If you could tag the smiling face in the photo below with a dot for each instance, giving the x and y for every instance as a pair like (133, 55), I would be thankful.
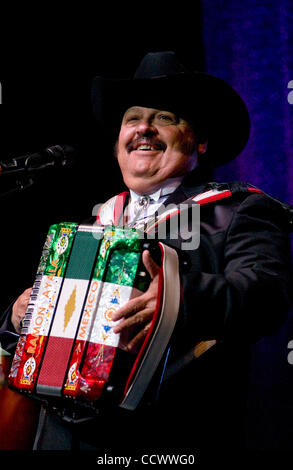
(154, 145)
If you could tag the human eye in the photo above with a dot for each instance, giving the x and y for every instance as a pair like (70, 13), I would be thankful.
(167, 118)
(131, 118)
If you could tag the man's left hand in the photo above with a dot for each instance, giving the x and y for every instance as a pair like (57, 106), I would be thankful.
(137, 313)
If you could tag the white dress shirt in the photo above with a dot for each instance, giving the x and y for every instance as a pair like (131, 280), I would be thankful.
(156, 200)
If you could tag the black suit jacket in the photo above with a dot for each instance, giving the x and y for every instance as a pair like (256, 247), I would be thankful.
(237, 290)
(240, 277)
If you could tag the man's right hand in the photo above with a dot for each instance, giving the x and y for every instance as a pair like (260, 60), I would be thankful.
(19, 309)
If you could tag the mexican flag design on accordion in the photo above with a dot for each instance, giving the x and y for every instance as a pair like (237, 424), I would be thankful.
(67, 344)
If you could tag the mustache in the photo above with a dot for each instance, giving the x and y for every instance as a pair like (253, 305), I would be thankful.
(142, 140)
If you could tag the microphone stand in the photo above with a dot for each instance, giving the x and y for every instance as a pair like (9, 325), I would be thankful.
(20, 185)
(23, 178)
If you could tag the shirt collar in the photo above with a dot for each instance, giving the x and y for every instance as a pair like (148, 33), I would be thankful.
(167, 188)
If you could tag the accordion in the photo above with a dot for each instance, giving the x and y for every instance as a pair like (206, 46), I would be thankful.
(67, 349)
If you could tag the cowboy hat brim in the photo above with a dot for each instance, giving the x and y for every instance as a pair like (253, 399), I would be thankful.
(203, 100)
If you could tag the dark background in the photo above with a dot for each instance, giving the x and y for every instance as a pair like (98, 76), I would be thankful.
(48, 59)
(46, 70)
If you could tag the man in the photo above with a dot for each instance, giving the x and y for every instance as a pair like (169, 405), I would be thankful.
(173, 126)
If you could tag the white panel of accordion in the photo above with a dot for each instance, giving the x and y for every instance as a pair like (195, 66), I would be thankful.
(40, 310)
(96, 324)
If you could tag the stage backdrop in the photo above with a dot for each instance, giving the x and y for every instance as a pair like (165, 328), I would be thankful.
(250, 45)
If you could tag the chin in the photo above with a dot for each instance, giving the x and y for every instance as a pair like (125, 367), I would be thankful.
(142, 185)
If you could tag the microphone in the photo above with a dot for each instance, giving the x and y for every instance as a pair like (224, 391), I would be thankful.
(55, 156)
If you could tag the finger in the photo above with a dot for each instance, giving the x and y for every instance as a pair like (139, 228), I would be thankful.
(135, 320)
(151, 266)
(130, 308)
(25, 296)
(28, 291)
(134, 345)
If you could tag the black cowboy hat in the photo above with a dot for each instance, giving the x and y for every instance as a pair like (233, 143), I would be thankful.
(162, 82)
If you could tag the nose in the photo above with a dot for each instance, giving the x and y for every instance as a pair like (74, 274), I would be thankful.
(146, 127)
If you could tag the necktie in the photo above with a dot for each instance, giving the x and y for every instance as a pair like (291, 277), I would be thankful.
(141, 205)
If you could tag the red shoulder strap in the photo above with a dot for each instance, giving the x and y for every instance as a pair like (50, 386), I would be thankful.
(119, 206)
(215, 195)
(115, 205)
(112, 209)
(206, 197)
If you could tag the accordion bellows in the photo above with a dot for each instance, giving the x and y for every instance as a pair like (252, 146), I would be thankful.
(67, 346)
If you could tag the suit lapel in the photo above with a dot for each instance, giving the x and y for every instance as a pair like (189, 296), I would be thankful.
(192, 185)
(182, 193)
(185, 191)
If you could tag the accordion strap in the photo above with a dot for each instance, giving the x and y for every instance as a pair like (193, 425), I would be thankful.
(159, 334)
(111, 212)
